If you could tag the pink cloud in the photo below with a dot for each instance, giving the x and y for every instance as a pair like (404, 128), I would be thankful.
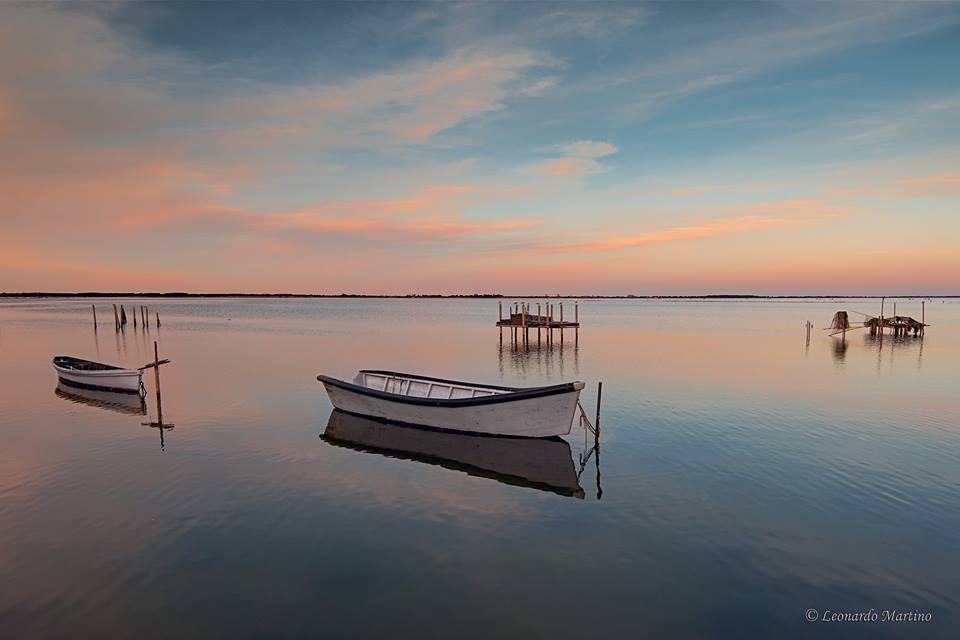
(944, 178)
(760, 216)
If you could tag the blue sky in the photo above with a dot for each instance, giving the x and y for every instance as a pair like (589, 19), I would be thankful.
(447, 147)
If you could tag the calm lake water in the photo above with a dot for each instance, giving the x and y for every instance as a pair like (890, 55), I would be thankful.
(746, 476)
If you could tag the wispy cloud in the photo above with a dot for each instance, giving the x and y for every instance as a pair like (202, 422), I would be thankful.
(578, 159)
(767, 215)
(944, 178)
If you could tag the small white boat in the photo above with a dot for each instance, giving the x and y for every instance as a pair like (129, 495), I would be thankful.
(86, 374)
(537, 463)
(533, 412)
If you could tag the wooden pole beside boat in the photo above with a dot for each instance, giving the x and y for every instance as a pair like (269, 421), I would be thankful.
(94, 307)
(156, 380)
(116, 318)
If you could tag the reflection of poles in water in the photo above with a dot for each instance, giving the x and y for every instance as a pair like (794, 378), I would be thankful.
(595, 449)
(920, 354)
(156, 379)
(839, 349)
(159, 424)
(596, 459)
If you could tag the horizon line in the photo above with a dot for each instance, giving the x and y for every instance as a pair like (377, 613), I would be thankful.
(499, 296)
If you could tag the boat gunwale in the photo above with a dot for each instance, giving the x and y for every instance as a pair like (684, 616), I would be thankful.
(514, 393)
(67, 364)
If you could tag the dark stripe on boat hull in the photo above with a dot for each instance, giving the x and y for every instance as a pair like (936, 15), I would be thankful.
(97, 387)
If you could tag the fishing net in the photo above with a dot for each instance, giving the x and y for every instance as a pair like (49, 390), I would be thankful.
(840, 321)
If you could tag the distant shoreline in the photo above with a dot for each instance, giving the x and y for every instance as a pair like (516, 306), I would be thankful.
(494, 296)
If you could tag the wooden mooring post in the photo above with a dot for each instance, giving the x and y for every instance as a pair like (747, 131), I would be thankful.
(116, 318)
(158, 319)
(160, 424)
(94, 307)
(156, 380)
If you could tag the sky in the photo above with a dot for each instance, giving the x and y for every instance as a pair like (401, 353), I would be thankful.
(531, 148)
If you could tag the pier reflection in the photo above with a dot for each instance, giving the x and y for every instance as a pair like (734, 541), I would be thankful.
(127, 403)
(536, 463)
(541, 359)
(891, 347)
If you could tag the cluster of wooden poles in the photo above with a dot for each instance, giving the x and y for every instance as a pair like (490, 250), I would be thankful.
(120, 316)
(522, 319)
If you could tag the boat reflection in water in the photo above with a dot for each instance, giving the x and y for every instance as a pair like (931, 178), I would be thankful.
(128, 403)
(537, 463)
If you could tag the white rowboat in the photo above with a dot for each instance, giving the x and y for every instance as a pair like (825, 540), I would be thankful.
(532, 412)
(86, 374)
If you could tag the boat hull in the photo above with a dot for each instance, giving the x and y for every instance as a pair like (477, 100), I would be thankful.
(531, 417)
(117, 380)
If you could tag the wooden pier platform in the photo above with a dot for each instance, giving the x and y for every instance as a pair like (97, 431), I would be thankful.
(535, 322)
(521, 319)
(898, 325)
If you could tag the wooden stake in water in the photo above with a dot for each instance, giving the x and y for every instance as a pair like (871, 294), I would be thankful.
(116, 318)
(159, 424)
(94, 307)
(158, 319)
(156, 380)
